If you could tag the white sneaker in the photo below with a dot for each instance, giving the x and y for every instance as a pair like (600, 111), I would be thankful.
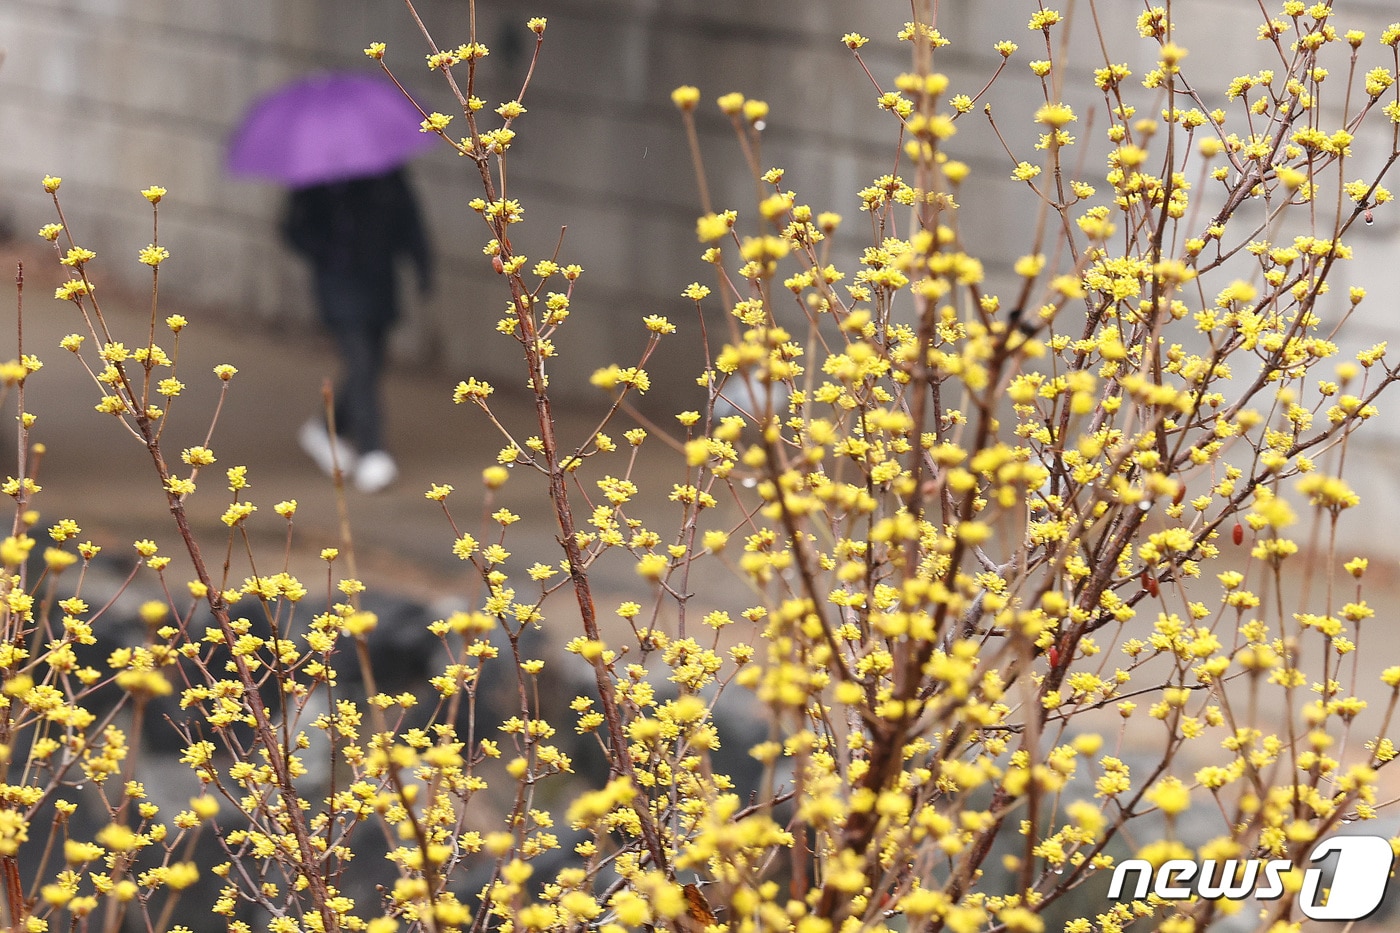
(328, 453)
(375, 470)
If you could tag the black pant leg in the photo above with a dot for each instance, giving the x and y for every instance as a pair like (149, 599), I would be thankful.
(357, 404)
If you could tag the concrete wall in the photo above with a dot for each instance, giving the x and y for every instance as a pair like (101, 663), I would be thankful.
(114, 95)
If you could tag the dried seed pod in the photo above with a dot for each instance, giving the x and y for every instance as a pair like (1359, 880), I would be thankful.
(1149, 581)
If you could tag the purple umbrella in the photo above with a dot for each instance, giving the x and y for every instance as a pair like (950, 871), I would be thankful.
(327, 127)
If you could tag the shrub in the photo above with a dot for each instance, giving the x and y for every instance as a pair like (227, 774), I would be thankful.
(1013, 558)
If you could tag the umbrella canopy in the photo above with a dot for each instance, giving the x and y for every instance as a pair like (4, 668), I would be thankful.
(327, 127)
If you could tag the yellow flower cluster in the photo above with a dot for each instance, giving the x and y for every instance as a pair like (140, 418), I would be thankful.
(982, 517)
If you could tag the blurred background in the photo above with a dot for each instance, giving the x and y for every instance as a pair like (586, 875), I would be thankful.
(116, 95)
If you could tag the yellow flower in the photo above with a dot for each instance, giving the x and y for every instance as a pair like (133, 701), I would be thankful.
(1172, 54)
(1378, 80)
(714, 226)
(72, 290)
(153, 255)
(474, 389)
(1055, 115)
(442, 60)
(686, 97)
(1030, 266)
(652, 566)
(1025, 171)
(359, 623)
(76, 256)
(731, 104)
(237, 512)
(1020, 919)
(117, 837)
(375, 50)
(755, 110)
(51, 183)
(153, 193)
(198, 455)
(435, 123)
(1170, 794)
(58, 560)
(472, 51)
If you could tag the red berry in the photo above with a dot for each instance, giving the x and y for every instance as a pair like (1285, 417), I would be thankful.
(1238, 533)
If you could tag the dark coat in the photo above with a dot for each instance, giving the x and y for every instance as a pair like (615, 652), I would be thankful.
(353, 232)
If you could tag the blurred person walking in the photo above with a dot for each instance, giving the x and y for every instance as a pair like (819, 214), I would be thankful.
(339, 142)
(353, 232)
